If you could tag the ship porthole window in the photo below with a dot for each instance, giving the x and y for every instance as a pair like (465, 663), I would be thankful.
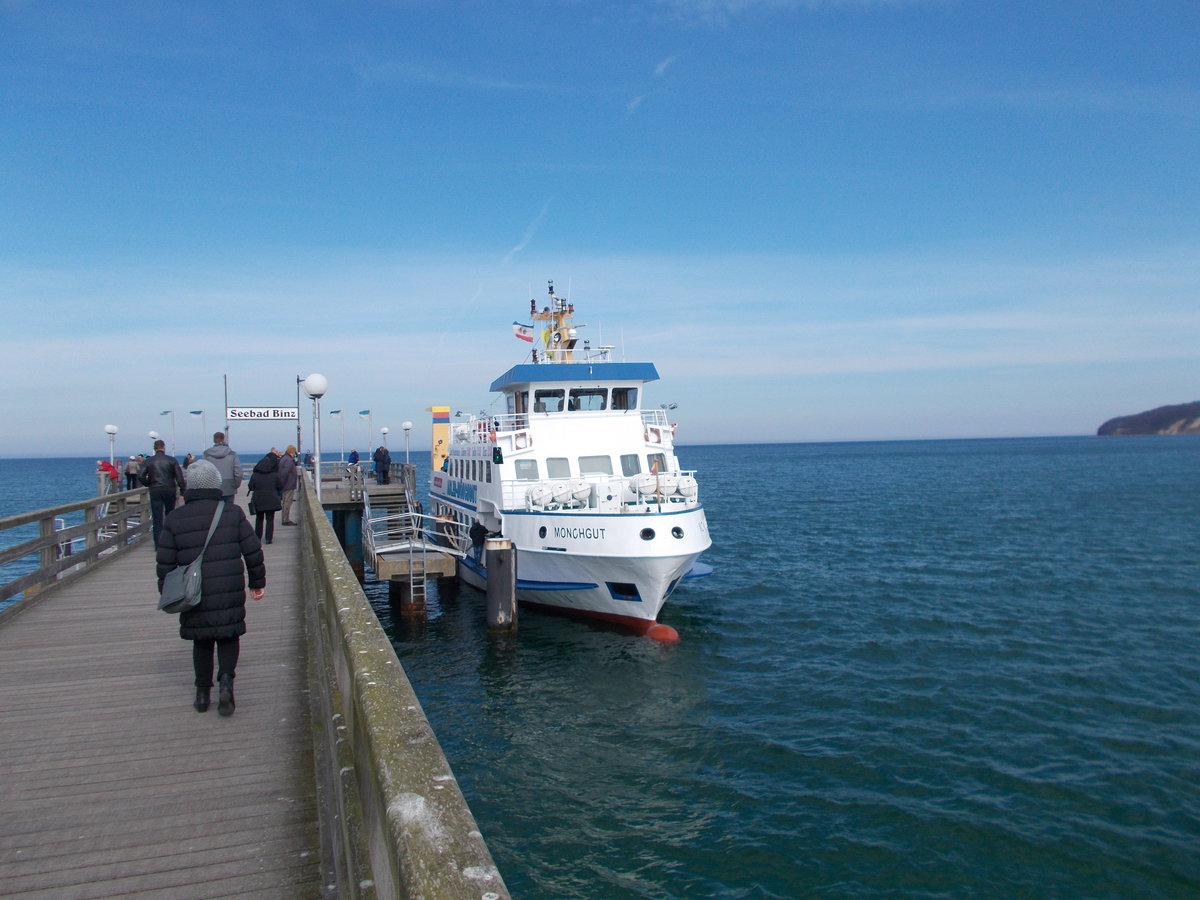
(542, 531)
(677, 532)
(647, 534)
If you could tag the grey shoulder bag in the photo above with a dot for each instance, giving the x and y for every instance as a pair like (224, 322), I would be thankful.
(181, 588)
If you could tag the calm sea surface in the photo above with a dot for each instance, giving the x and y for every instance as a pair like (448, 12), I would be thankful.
(921, 669)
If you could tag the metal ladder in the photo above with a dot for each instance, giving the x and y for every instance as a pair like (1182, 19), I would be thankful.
(416, 576)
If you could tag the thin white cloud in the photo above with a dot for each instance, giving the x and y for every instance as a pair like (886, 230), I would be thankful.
(734, 336)
(530, 230)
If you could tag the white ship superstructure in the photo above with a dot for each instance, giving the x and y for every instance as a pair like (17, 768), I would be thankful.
(579, 476)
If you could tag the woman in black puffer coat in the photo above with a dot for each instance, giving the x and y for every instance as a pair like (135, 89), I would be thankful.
(265, 488)
(219, 619)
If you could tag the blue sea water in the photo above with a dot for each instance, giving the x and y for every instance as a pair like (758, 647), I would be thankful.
(921, 669)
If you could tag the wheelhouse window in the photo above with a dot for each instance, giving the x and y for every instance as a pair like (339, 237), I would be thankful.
(630, 464)
(548, 400)
(526, 469)
(595, 465)
(658, 462)
(587, 399)
(624, 398)
(558, 467)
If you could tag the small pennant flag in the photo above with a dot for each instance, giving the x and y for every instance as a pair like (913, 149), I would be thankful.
(165, 412)
(336, 412)
(364, 412)
(523, 332)
(196, 412)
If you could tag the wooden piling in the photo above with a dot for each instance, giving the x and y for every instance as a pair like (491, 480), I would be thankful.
(501, 585)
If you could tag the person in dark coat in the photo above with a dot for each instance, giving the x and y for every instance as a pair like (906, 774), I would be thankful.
(219, 619)
(289, 479)
(163, 475)
(383, 465)
(265, 486)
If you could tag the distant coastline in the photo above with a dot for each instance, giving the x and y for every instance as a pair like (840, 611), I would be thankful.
(1182, 418)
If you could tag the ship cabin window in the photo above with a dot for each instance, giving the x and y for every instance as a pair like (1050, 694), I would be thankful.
(548, 400)
(518, 402)
(630, 464)
(658, 462)
(474, 470)
(487, 471)
(589, 399)
(526, 469)
(558, 467)
(595, 465)
(624, 398)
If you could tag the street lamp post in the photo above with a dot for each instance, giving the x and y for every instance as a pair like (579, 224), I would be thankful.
(315, 387)
(384, 432)
(111, 431)
(407, 426)
(299, 446)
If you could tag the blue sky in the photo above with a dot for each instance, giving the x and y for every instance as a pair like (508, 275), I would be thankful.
(821, 220)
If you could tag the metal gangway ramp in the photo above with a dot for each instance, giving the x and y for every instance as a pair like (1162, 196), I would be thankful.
(398, 547)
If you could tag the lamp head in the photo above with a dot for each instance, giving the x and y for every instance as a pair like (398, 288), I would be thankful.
(315, 386)
(110, 430)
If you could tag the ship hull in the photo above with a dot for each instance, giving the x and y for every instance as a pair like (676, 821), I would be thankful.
(616, 568)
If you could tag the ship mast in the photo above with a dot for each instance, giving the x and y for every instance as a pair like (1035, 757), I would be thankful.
(559, 335)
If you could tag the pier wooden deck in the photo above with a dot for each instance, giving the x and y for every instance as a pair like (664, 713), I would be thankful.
(112, 785)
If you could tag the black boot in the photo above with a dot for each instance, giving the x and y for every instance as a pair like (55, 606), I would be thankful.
(201, 701)
(225, 702)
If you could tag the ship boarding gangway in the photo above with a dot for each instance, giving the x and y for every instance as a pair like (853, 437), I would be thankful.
(405, 547)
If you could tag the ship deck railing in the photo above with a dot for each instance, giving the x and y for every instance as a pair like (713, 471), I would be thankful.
(607, 493)
(507, 428)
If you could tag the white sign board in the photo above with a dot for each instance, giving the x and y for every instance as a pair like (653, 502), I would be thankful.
(261, 413)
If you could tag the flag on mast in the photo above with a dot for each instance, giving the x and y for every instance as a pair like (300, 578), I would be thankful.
(523, 332)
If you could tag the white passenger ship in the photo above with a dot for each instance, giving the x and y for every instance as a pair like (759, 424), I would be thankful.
(579, 476)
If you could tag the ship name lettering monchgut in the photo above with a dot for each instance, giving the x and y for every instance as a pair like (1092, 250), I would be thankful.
(593, 534)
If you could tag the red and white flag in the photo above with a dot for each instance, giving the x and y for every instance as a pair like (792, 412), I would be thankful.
(524, 332)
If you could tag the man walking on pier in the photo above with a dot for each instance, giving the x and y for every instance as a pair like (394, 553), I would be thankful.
(227, 463)
(164, 476)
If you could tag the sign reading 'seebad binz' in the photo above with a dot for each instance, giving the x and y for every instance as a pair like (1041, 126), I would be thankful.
(272, 413)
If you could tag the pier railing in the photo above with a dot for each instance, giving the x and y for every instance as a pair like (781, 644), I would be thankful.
(62, 551)
(396, 822)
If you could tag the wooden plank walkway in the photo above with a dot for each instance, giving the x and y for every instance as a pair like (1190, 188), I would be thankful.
(112, 785)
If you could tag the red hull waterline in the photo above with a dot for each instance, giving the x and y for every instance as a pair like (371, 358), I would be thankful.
(644, 627)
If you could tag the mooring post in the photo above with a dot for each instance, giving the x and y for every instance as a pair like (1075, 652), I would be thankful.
(501, 584)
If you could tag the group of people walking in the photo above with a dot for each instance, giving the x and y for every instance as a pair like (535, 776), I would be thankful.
(210, 522)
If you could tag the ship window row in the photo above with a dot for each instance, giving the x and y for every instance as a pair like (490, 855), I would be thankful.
(552, 400)
(471, 469)
(560, 466)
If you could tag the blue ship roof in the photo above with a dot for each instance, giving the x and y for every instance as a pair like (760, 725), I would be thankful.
(575, 373)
